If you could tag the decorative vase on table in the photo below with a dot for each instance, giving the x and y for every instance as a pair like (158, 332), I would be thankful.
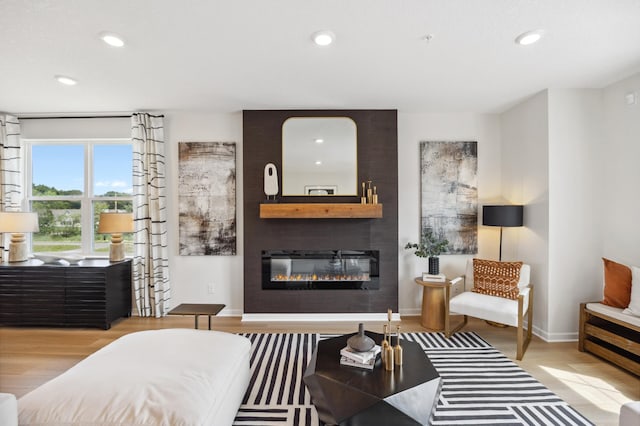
(361, 342)
(430, 246)
(434, 265)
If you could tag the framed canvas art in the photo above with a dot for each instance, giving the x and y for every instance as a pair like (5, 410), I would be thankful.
(449, 193)
(207, 198)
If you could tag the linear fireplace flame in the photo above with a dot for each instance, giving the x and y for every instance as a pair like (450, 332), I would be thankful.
(320, 269)
(321, 277)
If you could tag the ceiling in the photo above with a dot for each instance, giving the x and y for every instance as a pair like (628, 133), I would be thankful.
(225, 56)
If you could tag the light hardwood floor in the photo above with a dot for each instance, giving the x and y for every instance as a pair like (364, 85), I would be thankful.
(31, 356)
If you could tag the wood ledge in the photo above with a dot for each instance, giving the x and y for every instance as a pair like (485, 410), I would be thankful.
(320, 211)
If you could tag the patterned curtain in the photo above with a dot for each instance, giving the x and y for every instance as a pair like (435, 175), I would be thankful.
(151, 285)
(10, 169)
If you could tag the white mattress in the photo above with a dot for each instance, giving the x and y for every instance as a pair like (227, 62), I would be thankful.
(167, 377)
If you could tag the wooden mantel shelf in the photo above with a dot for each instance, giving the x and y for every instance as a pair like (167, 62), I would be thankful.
(320, 211)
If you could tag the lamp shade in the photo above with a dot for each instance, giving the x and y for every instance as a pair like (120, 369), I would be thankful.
(19, 222)
(508, 216)
(115, 223)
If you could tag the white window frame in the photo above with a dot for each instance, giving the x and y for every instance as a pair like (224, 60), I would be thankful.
(87, 198)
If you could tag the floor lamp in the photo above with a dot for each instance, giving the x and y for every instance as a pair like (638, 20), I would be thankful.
(509, 216)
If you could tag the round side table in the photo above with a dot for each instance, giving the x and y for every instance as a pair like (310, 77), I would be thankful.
(432, 304)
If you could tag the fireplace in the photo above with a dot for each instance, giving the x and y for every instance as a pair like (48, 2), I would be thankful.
(309, 299)
(320, 269)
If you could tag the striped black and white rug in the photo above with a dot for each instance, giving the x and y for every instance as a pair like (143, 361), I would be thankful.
(480, 384)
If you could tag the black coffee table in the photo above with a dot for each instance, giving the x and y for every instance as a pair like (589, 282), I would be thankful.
(351, 396)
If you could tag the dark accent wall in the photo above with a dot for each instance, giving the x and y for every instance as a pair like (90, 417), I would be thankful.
(377, 161)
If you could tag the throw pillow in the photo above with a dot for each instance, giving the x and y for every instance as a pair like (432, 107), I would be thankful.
(617, 284)
(496, 278)
(634, 303)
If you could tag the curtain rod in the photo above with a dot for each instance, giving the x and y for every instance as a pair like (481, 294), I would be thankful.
(82, 116)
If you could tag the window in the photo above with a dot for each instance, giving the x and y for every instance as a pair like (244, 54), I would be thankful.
(70, 182)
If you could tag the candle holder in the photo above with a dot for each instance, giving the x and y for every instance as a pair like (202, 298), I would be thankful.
(397, 349)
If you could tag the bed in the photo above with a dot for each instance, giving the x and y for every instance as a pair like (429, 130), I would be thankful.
(158, 377)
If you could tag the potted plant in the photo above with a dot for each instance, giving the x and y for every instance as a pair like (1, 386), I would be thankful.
(430, 246)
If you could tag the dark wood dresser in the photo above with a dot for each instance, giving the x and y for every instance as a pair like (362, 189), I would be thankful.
(93, 293)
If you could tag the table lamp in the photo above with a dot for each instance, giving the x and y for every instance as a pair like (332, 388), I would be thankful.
(509, 216)
(18, 223)
(115, 224)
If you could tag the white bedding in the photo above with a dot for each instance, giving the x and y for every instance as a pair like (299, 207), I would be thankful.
(167, 377)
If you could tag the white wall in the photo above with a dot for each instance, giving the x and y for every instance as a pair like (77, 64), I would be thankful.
(619, 169)
(192, 275)
(575, 135)
(524, 136)
(75, 128)
(571, 156)
(412, 129)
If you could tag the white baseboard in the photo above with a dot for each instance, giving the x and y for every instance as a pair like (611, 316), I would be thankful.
(555, 337)
(332, 317)
(230, 313)
(411, 312)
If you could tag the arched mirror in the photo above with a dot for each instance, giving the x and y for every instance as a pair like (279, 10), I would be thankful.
(319, 156)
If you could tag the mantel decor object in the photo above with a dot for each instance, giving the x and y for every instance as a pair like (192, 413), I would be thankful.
(369, 193)
(271, 182)
(18, 223)
(361, 342)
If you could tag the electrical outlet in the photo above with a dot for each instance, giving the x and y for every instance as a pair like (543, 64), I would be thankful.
(212, 288)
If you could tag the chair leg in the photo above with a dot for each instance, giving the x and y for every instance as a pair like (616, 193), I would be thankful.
(520, 334)
(448, 332)
(530, 316)
(522, 342)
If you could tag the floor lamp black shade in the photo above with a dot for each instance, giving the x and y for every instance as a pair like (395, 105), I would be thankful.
(510, 216)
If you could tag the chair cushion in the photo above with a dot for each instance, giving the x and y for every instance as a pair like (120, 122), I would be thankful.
(496, 278)
(492, 308)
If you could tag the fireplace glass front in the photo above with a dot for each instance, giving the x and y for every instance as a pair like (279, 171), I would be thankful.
(320, 269)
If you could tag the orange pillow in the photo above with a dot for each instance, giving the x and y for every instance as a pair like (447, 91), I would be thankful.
(496, 278)
(617, 284)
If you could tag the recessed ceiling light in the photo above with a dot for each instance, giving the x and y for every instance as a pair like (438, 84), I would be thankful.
(323, 38)
(318, 163)
(318, 140)
(112, 39)
(65, 80)
(529, 37)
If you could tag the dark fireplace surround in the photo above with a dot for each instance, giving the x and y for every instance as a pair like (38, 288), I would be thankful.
(378, 162)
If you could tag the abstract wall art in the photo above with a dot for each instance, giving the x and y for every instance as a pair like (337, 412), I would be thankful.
(207, 198)
(449, 193)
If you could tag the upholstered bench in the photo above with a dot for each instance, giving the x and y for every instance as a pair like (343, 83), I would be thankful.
(157, 377)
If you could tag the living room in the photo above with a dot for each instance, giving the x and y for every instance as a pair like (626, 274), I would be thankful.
(556, 131)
